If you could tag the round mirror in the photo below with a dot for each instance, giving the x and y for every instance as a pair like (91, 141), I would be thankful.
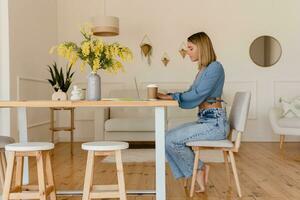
(265, 51)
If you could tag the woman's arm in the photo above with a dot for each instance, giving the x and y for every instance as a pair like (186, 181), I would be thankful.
(164, 96)
(195, 96)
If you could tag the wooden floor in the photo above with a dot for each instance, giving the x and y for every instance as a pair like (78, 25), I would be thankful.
(265, 172)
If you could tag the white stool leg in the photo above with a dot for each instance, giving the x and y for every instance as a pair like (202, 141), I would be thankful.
(4, 160)
(8, 174)
(41, 175)
(88, 179)
(120, 174)
(19, 173)
(2, 167)
(49, 174)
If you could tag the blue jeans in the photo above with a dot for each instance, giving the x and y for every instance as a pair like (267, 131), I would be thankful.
(212, 124)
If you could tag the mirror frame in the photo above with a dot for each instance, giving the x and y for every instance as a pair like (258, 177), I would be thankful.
(257, 62)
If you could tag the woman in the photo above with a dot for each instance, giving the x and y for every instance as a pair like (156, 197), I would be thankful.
(205, 93)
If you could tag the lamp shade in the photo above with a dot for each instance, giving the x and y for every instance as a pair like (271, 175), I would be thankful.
(106, 26)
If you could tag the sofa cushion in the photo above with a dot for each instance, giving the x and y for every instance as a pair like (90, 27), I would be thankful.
(174, 122)
(129, 136)
(131, 112)
(130, 124)
(177, 112)
(289, 122)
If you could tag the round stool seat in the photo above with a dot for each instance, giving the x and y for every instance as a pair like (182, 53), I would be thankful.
(29, 146)
(4, 140)
(104, 146)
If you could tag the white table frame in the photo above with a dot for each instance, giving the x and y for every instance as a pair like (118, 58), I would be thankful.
(160, 168)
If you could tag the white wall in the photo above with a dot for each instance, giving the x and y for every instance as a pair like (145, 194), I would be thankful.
(4, 67)
(232, 26)
(33, 30)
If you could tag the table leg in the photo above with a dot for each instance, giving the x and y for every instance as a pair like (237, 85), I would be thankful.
(160, 153)
(23, 137)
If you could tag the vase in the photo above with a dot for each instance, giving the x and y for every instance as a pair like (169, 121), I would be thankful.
(94, 87)
(59, 96)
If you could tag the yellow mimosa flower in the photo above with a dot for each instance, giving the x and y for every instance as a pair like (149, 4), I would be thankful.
(86, 29)
(93, 51)
(73, 58)
(96, 64)
(97, 47)
(61, 50)
(85, 47)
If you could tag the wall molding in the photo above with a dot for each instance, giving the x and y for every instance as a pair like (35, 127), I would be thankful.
(24, 78)
(42, 123)
(32, 79)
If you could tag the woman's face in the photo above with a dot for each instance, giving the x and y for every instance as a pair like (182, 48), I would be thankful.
(192, 51)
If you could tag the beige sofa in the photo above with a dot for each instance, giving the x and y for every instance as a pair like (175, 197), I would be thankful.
(282, 125)
(137, 124)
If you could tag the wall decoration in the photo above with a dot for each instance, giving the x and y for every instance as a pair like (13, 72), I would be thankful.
(146, 48)
(165, 59)
(265, 51)
(182, 50)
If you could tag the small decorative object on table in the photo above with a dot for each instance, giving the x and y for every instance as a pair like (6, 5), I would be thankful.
(60, 82)
(152, 90)
(97, 54)
(77, 93)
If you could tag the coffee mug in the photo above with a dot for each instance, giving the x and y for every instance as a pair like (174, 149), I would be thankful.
(152, 90)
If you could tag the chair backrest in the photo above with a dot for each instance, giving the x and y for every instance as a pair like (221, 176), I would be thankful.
(239, 111)
(238, 116)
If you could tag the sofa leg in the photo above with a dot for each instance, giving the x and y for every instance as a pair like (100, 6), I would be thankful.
(282, 137)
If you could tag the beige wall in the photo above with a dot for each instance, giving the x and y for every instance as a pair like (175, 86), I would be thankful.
(232, 26)
(4, 67)
(33, 30)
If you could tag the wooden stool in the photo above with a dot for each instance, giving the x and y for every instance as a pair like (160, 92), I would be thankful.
(104, 148)
(68, 128)
(4, 140)
(18, 151)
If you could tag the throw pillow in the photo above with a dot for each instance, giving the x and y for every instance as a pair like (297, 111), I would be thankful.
(291, 108)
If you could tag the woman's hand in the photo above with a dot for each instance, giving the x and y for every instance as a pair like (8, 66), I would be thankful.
(164, 96)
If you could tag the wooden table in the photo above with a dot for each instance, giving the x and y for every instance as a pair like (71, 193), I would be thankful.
(159, 106)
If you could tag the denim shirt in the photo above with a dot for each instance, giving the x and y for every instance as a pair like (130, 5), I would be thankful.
(208, 84)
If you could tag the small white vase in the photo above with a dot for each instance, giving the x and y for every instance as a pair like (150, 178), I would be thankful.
(59, 96)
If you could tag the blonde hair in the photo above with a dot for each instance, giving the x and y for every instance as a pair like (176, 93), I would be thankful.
(205, 48)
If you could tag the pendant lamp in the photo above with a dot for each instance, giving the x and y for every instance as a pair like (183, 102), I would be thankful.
(105, 25)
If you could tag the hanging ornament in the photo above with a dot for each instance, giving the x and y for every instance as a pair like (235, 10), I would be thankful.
(165, 59)
(146, 48)
(182, 50)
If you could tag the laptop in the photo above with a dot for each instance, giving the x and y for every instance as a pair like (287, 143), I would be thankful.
(137, 89)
